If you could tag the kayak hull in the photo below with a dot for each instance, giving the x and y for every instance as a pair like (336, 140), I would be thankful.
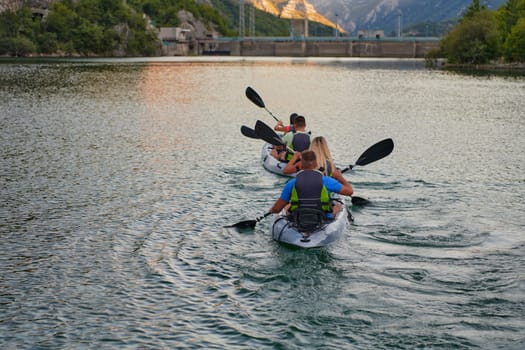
(272, 164)
(284, 231)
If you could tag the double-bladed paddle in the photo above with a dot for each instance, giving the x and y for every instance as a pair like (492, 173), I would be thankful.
(257, 100)
(249, 223)
(375, 152)
(248, 132)
(266, 133)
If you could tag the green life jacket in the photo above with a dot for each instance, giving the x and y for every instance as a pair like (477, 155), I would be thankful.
(310, 192)
(300, 142)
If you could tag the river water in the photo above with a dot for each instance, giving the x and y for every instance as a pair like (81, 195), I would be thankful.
(117, 177)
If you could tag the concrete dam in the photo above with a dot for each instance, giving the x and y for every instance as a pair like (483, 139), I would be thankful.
(405, 47)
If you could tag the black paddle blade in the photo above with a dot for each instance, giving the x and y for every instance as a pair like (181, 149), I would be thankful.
(248, 132)
(244, 224)
(375, 152)
(267, 134)
(254, 97)
(249, 223)
(359, 201)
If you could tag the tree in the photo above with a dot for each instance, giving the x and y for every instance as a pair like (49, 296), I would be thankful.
(47, 43)
(60, 20)
(474, 40)
(87, 38)
(20, 46)
(515, 44)
(472, 9)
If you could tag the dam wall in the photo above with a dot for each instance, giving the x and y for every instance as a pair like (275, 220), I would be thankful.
(392, 48)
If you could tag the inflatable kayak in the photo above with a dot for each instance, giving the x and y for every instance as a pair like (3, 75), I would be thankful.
(271, 163)
(288, 231)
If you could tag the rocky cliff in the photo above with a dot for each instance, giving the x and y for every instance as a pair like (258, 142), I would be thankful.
(16, 4)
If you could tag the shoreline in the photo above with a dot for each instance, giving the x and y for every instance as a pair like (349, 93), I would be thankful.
(518, 66)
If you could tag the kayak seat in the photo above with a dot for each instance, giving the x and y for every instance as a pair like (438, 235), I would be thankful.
(308, 219)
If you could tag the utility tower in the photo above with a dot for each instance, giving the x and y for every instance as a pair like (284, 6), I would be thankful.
(241, 18)
(252, 21)
(399, 14)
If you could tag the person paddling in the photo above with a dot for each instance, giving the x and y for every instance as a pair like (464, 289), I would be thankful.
(285, 128)
(296, 140)
(325, 161)
(311, 189)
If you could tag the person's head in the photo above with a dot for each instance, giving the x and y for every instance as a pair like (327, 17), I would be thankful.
(299, 122)
(292, 118)
(320, 147)
(308, 160)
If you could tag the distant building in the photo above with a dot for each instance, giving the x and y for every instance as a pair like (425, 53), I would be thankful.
(371, 34)
(174, 34)
(175, 41)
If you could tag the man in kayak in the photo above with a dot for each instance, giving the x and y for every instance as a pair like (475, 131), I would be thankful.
(285, 128)
(311, 189)
(297, 140)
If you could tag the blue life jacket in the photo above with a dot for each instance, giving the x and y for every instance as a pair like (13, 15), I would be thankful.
(300, 142)
(310, 192)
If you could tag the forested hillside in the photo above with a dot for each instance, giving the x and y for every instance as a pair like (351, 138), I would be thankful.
(484, 36)
(120, 28)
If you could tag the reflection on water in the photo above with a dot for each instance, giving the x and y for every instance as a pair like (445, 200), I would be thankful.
(118, 176)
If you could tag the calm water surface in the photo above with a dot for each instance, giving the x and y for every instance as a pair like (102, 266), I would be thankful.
(117, 177)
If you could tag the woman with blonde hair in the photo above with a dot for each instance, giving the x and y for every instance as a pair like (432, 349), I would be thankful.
(325, 163)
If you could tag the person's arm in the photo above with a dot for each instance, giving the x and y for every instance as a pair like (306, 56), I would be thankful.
(284, 198)
(278, 206)
(280, 127)
(294, 165)
(332, 185)
(346, 190)
(275, 152)
(336, 174)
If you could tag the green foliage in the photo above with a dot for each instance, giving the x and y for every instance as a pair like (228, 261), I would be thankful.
(474, 40)
(47, 43)
(509, 14)
(16, 46)
(515, 43)
(473, 9)
(85, 27)
(483, 36)
(164, 12)
(269, 25)
(60, 20)
(87, 38)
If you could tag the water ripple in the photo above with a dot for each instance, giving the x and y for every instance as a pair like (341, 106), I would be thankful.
(118, 177)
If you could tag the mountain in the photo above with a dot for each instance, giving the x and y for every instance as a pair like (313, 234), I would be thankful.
(354, 15)
(292, 9)
(387, 15)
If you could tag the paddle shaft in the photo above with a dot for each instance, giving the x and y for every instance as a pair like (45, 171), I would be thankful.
(258, 101)
(249, 223)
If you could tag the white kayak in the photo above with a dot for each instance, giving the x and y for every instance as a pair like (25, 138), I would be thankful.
(271, 163)
(286, 231)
